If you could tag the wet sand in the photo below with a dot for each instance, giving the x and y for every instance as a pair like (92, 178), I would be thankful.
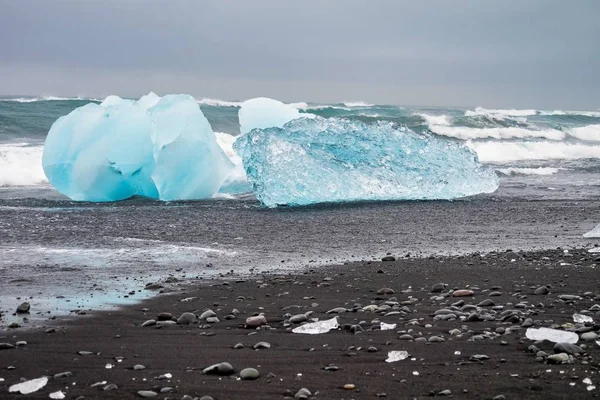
(485, 356)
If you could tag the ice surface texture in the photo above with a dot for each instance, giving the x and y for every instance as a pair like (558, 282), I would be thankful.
(594, 233)
(552, 335)
(161, 148)
(316, 160)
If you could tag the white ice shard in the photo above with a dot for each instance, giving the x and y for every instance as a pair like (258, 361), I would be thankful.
(316, 328)
(594, 233)
(394, 356)
(317, 160)
(582, 319)
(552, 335)
(161, 148)
(262, 112)
(29, 386)
(58, 395)
(387, 327)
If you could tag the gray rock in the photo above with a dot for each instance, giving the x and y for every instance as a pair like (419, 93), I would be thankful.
(298, 318)
(436, 339)
(567, 348)
(385, 291)
(21, 343)
(495, 294)
(147, 393)
(65, 374)
(262, 345)
(446, 392)
(6, 346)
(223, 368)
(249, 374)
(139, 367)
(150, 322)
(479, 357)
(388, 258)
(569, 297)
(201, 398)
(337, 310)
(238, 346)
(164, 316)
(207, 314)
(438, 287)
(212, 320)
(588, 336)
(186, 318)
(166, 323)
(303, 393)
(23, 308)
(110, 386)
(406, 336)
(486, 303)
(256, 321)
(542, 290)
(85, 353)
(153, 286)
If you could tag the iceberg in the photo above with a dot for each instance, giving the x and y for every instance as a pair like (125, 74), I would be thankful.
(317, 160)
(160, 148)
(262, 112)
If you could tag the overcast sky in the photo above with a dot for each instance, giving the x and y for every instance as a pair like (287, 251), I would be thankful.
(509, 53)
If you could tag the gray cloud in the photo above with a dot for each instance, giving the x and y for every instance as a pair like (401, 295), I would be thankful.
(514, 53)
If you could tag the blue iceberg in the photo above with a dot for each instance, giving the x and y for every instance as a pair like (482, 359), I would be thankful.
(316, 160)
(161, 148)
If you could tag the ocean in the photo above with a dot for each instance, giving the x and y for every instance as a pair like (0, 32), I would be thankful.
(92, 254)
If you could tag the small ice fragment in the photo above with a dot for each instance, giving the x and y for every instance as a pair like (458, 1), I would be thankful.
(29, 386)
(594, 250)
(57, 395)
(591, 387)
(108, 366)
(457, 353)
(582, 319)
(553, 335)
(168, 376)
(594, 233)
(188, 299)
(572, 384)
(587, 381)
(394, 356)
(416, 373)
(386, 327)
(598, 342)
(1, 379)
(316, 328)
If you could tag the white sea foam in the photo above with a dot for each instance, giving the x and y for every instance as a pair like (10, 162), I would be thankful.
(47, 98)
(436, 120)
(21, 165)
(466, 133)
(353, 104)
(589, 132)
(500, 112)
(219, 103)
(593, 114)
(529, 171)
(494, 152)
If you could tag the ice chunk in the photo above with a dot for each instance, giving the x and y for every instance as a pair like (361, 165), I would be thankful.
(59, 395)
(582, 319)
(394, 356)
(387, 327)
(333, 160)
(316, 328)
(162, 148)
(261, 112)
(552, 335)
(237, 181)
(594, 233)
(29, 386)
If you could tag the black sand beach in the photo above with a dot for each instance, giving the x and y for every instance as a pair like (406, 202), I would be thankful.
(484, 355)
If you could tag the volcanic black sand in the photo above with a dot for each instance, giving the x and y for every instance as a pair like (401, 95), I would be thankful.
(484, 355)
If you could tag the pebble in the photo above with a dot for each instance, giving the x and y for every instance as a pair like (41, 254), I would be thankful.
(164, 316)
(436, 339)
(147, 393)
(256, 321)
(249, 374)
(567, 348)
(587, 336)
(6, 346)
(463, 293)
(23, 308)
(65, 374)
(438, 287)
(446, 392)
(139, 367)
(110, 386)
(223, 368)
(349, 386)
(542, 290)
(388, 258)
(238, 346)
(298, 318)
(486, 303)
(385, 291)
(150, 322)
(207, 314)
(303, 393)
(262, 345)
(186, 318)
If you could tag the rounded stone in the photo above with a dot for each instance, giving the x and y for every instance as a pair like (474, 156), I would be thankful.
(249, 374)
(23, 308)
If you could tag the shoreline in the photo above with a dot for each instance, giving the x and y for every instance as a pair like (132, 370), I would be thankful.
(354, 354)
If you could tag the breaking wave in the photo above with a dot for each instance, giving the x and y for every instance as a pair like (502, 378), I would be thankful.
(498, 152)
(21, 165)
(529, 171)
(465, 133)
